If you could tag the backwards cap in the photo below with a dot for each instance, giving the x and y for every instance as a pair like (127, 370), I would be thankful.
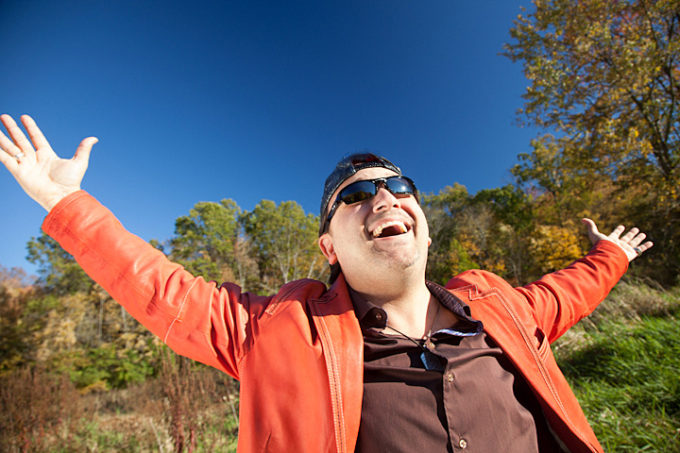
(345, 169)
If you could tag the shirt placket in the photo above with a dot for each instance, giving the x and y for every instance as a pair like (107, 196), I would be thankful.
(457, 432)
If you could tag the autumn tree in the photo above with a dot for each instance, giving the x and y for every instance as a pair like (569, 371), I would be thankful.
(605, 83)
(71, 324)
(15, 333)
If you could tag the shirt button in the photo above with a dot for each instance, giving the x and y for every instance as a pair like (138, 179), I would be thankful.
(449, 378)
(462, 443)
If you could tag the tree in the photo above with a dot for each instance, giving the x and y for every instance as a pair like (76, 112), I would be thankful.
(605, 81)
(284, 241)
(514, 225)
(58, 270)
(447, 256)
(208, 242)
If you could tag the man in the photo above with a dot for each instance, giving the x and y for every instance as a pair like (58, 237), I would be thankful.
(380, 361)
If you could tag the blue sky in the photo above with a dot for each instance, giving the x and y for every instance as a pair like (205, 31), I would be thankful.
(256, 100)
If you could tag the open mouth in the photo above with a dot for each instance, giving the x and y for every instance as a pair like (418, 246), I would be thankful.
(391, 228)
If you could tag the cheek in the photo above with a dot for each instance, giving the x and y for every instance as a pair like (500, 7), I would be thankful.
(348, 222)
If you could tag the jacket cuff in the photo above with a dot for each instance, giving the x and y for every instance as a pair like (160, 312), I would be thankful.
(616, 255)
(52, 220)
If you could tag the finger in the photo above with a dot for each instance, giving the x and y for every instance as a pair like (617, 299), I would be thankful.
(16, 135)
(82, 154)
(590, 226)
(630, 235)
(637, 239)
(593, 233)
(617, 232)
(34, 132)
(646, 246)
(8, 145)
(8, 160)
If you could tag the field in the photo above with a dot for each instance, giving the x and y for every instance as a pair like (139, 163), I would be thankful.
(623, 363)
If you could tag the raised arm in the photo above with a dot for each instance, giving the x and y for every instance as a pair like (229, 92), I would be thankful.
(194, 317)
(564, 297)
(42, 174)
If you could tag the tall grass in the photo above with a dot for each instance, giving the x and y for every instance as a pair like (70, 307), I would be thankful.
(624, 366)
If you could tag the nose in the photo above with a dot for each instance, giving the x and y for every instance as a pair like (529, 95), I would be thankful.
(385, 200)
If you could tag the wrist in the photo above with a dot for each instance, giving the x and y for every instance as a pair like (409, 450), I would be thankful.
(52, 200)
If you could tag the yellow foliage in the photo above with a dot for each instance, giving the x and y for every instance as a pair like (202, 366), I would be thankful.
(554, 247)
(59, 333)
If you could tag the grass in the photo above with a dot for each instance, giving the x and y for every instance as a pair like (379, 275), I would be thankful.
(623, 363)
(624, 366)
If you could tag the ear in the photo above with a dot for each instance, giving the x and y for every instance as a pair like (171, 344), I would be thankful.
(326, 246)
(429, 242)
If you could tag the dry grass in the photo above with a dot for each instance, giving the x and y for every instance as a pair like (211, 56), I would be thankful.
(37, 409)
(187, 408)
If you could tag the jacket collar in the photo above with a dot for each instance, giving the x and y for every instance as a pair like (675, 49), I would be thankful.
(342, 342)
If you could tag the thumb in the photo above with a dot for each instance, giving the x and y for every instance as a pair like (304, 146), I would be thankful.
(82, 154)
(593, 233)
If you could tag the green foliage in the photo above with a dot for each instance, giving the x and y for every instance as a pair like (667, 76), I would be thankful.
(59, 272)
(262, 249)
(510, 205)
(284, 241)
(446, 256)
(104, 367)
(206, 240)
(491, 230)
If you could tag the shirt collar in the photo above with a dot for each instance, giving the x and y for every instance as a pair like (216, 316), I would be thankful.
(372, 316)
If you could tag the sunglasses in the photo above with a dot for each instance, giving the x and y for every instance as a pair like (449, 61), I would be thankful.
(399, 186)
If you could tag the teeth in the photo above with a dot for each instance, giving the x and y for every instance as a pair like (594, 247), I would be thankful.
(378, 231)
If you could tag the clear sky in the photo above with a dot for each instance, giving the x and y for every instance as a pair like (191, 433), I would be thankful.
(200, 101)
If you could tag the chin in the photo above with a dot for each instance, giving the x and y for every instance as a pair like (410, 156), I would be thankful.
(402, 260)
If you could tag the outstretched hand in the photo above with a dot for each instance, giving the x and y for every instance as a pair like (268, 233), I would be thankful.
(630, 243)
(42, 174)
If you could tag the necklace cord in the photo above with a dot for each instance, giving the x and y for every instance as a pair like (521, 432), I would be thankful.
(424, 339)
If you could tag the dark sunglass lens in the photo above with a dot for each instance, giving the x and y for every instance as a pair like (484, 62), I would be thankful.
(358, 191)
(399, 186)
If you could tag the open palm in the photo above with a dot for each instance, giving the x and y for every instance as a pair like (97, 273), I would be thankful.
(631, 243)
(42, 174)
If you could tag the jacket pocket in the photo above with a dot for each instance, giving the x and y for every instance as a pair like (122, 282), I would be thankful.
(542, 344)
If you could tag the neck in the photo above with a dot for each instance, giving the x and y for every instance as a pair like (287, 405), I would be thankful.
(410, 308)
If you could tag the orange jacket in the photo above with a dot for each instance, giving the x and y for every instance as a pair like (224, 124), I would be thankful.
(299, 353)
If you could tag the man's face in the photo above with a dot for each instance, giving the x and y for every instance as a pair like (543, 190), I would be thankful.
(384, 233)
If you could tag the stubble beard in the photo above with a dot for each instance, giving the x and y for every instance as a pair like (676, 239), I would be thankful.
(399, 260)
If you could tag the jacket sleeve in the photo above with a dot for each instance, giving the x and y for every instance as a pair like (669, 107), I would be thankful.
(194, 317)
(562, 298)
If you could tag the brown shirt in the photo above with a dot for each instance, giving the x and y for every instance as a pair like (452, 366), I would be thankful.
(459, 393)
